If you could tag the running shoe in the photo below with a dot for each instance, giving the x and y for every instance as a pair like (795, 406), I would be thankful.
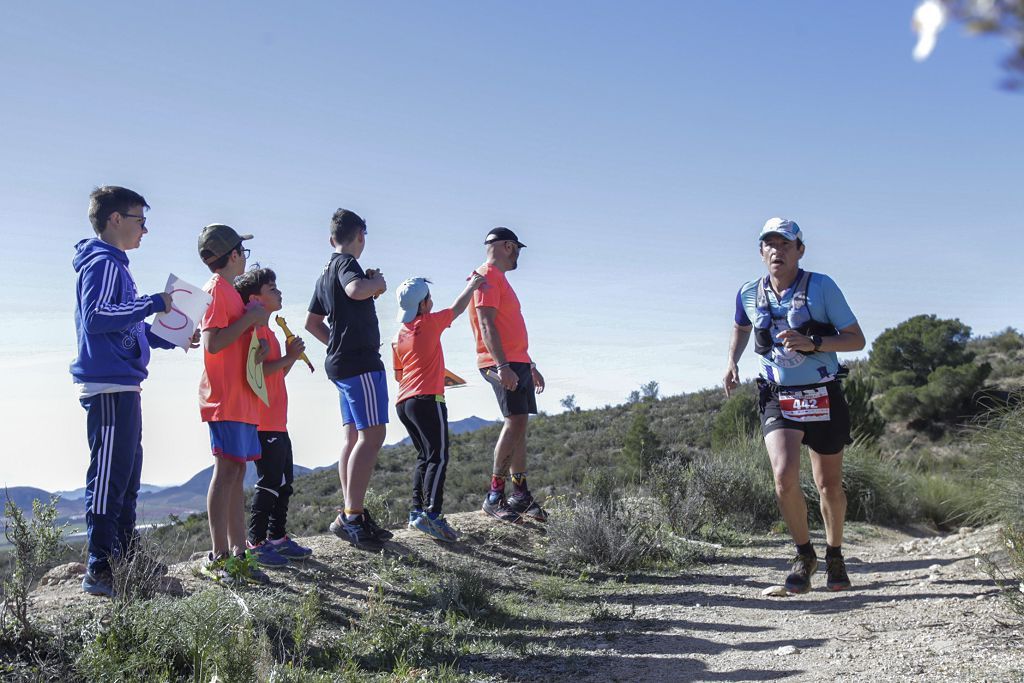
(413, 516)
(355, 532)
(286, 547)
(267, 555)
(99, 583)
(380, 532)
(436, 528)
(804, 566)
(835, 570)
(494, 505)
(524, 504)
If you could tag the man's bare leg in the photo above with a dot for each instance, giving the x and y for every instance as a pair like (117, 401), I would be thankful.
(828, 477)
(349, 438)
(784, 452)
(510, 450)
(361, 462)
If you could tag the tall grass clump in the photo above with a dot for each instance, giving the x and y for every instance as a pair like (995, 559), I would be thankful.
(729, 490)
(877, 490)
(998, 439)
(606, 531)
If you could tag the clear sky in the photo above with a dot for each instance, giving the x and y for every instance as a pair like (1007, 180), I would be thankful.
(636, 148)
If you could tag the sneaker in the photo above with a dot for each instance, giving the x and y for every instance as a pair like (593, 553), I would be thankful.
(355, 532)
(835, 569)
(436, 528)
(380, 532)
(286, 547)
(804, 566)
(267, 555)
(99, 583)
(494, 505)
(413, 516)
(524, 504)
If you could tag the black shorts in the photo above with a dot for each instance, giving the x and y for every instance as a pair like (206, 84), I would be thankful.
(522, 401)
(826, 437)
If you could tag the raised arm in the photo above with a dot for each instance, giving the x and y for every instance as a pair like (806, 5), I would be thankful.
(476, 280)
(362, 288)
(217, 339)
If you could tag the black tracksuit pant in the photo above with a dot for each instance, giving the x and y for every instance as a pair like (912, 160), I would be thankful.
(270, 502)
(426, 419)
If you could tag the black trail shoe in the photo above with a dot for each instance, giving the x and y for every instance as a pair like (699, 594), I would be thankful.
(380, 532)
(804, 566)
(524, 504)
(835, 569)
(494, 505)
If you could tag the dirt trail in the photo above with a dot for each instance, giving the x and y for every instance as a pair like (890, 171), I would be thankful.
(920, 608)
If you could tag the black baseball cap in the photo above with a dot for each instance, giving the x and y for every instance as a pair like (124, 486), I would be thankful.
(502, 234)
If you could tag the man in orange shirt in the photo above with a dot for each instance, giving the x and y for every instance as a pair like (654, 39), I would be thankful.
(504, 361)
(419, 370)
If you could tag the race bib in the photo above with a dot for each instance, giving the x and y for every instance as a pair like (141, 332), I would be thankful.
(805, 405)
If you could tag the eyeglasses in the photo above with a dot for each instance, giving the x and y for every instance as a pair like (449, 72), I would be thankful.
(244, 252)
(142, 219)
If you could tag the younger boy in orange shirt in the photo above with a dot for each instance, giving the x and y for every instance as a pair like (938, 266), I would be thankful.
(419, 370)
(227, 403)
(268, 538)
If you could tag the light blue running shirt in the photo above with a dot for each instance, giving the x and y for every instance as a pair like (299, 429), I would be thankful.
(826, 304)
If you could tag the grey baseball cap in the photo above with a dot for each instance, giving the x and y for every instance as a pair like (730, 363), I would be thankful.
(218, 239)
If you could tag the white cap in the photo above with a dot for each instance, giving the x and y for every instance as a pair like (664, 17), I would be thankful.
(781, 226)
(410, 294)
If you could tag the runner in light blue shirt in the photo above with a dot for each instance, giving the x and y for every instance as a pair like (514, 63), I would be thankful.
(799, 321)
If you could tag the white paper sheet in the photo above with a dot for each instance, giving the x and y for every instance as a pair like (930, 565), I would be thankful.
(188, 306)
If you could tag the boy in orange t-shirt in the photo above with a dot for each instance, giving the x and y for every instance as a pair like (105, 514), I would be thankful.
(226, 402)
(419, 370)
(268, 538)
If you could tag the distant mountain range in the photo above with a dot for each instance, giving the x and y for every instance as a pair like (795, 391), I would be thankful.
(157, 502)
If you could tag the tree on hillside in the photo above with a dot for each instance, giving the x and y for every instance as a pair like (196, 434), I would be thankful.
(569, 403)
(642, 447)
(908, 353)
(649, 392)
(926, 371)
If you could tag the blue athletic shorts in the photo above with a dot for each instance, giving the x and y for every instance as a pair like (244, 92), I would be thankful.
(364, 399)
(236, 441)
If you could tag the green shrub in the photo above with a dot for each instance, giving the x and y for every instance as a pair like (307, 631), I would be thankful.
(737, 420)
(999, 442)
(867, 423)
(462, 591)
(876, 489)
(35, 547)
(945, 500)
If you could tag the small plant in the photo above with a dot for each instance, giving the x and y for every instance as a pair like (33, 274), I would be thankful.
(463, 591)
(35, 547)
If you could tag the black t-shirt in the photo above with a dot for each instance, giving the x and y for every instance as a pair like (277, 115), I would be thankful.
(354, 345)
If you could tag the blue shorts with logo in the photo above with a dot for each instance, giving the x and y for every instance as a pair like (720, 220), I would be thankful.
(238, 441)
(364, 399)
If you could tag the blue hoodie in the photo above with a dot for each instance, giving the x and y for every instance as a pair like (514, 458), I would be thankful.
(113, 340)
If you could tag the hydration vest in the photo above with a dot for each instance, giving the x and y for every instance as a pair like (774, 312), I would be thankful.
(798, 316)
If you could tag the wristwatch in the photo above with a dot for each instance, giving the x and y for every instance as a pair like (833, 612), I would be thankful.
(816, 340)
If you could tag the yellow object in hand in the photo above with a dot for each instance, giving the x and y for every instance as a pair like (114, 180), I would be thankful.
(288, 336)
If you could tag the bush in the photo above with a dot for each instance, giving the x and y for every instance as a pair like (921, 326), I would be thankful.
(35, 547)
(944, 501)
(641, 448)
(876, 490)
(606, 534)
(737, 420)
(867, 423)
(462, 591)
(729, 490)
(999, 440)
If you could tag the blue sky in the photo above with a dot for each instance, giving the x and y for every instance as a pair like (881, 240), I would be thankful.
(636, 148)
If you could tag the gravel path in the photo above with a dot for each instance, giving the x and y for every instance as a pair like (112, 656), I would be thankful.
(920, 609)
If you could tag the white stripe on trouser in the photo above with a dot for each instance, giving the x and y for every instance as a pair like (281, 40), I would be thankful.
(103, 458)
(264, 488)
(444, 461)
(370, 398)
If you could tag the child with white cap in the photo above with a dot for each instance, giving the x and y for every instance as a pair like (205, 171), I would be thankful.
(419, 370)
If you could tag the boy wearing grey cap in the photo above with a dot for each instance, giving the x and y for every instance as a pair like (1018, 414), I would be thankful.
(419, 370)
(226, 403)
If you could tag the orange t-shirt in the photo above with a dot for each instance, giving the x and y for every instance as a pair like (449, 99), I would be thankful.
(273, 418)
(417, 352)
(224, 392)
(497, 293)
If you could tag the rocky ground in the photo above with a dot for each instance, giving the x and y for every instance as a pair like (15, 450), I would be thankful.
(921, 608)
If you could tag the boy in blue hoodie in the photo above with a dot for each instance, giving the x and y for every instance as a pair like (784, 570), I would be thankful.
(113, 352)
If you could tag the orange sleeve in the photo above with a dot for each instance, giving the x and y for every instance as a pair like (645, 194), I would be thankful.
(216, 315)
(490, 294)
(396, 361)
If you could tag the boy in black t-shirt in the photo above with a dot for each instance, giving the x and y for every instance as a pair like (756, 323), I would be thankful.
(342, 316)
